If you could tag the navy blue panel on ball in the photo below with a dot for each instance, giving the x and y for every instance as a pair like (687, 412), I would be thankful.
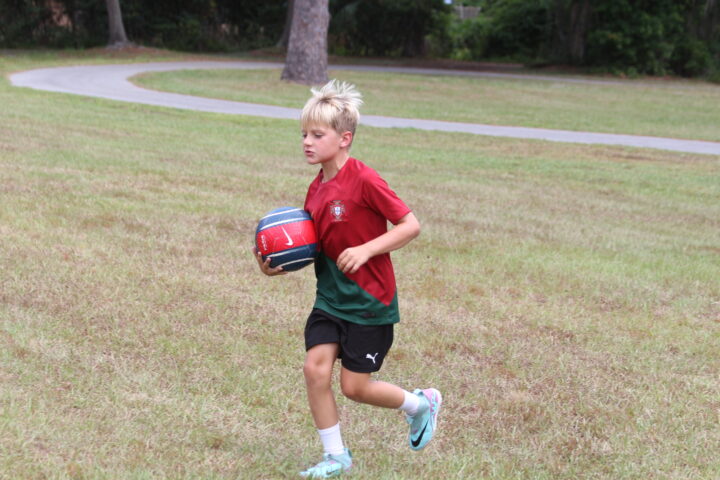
(294, 258)
(280, 216)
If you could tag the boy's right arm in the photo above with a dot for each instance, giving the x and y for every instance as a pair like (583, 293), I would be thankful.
(265, 265)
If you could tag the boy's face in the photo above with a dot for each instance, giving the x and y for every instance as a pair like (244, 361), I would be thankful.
(321, 143)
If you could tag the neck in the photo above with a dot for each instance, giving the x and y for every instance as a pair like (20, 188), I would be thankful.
(332, 167)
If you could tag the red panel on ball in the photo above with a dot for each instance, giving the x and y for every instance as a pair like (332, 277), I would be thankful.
(285, 236)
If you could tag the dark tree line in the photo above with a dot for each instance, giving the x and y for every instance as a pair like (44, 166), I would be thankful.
(630, 36)
(191, 25)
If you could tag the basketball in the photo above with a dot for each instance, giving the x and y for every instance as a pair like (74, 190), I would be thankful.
(287, 236)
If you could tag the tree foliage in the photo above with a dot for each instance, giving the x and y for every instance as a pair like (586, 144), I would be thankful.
(188, 25)
(384, 27)
(632, 36)
(635, 34)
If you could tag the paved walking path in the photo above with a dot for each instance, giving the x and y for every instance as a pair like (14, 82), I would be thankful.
(111, 82)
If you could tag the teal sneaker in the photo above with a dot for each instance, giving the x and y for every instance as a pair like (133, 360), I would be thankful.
(424, 423)
(331, 466)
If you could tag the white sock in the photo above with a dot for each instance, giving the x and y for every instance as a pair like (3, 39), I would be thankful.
(410, 404)
(332, 440)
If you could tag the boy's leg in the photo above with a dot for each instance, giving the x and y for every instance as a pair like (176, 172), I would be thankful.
(421, 406)
(318, 369)
(361, 388)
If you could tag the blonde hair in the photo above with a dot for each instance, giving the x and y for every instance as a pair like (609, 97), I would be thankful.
(336, 104)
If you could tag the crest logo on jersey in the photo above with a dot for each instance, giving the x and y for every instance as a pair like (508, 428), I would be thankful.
(337, 210)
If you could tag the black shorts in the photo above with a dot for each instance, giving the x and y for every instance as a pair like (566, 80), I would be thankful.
(362, 347)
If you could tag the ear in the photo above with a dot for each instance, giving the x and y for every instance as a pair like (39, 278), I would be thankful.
(346, 139)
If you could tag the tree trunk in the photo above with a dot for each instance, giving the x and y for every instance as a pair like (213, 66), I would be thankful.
(710, 20)
(306, 60)
(571, 25)
(579, 18)
(283, 42)
(117, 37)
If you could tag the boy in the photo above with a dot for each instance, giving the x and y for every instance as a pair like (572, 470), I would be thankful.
(356, 303)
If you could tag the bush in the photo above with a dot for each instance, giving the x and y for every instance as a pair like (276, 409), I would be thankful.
(630, 34)
(518, 29)
(691, 58)
(384, 27)
(714, 75)
(468, 39)
(29, 24)
(510, 29)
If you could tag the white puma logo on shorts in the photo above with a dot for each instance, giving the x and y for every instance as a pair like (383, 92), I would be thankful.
(372, 357)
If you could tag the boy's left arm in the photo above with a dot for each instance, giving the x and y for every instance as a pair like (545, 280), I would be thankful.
(407, 228)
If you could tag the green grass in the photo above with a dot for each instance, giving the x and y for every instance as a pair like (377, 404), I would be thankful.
(564, 298)
(663, 108)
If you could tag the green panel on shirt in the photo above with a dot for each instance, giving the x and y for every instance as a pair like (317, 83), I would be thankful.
(343, 298)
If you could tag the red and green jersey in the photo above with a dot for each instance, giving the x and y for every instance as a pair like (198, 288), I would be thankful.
(349, 210)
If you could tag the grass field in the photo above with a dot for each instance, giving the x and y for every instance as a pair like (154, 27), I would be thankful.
(564, 298)
(661, 108)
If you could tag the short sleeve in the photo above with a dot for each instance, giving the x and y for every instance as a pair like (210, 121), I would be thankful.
(380, 197)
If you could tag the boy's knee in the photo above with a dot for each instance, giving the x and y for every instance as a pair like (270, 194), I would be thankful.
(353, 390)
(316, 372)
(311, 369)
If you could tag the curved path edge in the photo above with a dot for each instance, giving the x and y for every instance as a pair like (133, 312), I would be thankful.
(111, 82)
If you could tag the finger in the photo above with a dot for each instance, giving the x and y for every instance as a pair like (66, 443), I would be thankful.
(272, 270)
(341, 263)
(277, 271)
(264, 262)
(341, 259)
